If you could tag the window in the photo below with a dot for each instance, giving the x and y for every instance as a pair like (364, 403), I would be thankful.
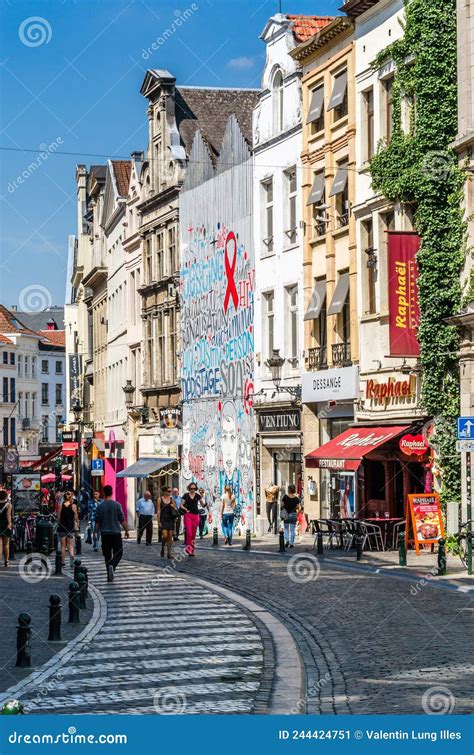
(268, 324)
(149, 355)
(44, 393)
(278, 102)
(27, 405)
(12, 390)
(173, 262)
(5, 391)
(33, 405)
(160, 353)
(44, 428)
(5, 357)
(338, 101)
(5, 431)
(59, 421)
(267, 216)
(341, 191)
(318, 354)
(20, 365)
(388, 97)
(33, 367)
(44, 366)
(159, 256)
(27, 367)
(317, 198)
(316, 110)
(290, 178)
(148, 261)
(292, 324)
(12, 358)
(59, 394)
(368, 98)
(13, 431)
(59, 368)
(370, 263)
(20, 403)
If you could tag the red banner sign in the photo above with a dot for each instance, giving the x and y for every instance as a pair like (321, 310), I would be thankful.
(70, 449)
(413, 444)
(404, 313)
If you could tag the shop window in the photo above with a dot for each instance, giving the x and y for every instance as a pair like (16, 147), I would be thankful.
(370, 266)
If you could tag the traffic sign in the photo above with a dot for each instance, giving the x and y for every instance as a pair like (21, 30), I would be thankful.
(465, 446)
(97, 467)
(465, 428)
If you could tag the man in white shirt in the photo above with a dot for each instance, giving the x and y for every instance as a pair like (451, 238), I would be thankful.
(146, 510)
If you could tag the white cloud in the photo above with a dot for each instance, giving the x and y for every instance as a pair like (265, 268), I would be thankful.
(242, 63)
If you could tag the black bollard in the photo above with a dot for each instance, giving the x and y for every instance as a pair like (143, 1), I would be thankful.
(402, 549)
(319, 544)
(85, 572)
(23, 641)
(45, 546)
(29, 551)
(469, 553)
(54, 618)
(77, 568)
(78, 545)
(58, 563)
(12, 549)
(441, 558)
(215, 536)
(281, 542)
(248, 541)
(74, 603)
(81, 581)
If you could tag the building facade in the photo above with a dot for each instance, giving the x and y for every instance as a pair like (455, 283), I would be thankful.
(8, 404)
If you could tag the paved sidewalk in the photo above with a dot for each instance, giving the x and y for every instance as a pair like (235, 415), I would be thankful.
(18, 595)
(370, 643)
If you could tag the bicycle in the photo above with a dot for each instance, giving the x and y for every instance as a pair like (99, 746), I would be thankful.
(23, 530)
(461, 540)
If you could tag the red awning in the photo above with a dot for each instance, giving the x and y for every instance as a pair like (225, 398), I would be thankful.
(46, 459)
(70, 449)
(347, 450)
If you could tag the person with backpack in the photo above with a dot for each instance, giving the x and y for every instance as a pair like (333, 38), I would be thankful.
(109, 519)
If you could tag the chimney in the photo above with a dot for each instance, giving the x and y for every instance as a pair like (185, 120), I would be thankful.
(14, 308)
(51, 325)
(137, 156)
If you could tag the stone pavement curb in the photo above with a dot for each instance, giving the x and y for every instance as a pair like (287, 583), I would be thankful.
(58, 661)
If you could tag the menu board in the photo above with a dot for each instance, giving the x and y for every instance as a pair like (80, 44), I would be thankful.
(26, 492)
(425, 518)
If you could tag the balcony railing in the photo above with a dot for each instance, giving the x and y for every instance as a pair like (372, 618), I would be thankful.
(341, 354)
(317, 358)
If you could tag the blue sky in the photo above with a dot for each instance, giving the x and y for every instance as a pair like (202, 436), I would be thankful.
(70, 73)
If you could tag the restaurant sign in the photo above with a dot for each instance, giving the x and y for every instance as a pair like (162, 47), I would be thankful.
(279, 421)
(404, 313)
(391, 391)
(424, 520)
(413, 444)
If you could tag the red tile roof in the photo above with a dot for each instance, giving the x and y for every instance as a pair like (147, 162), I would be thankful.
(122, 170)
(305, 27)
(55, 337)
(4, 339)
(9, 323)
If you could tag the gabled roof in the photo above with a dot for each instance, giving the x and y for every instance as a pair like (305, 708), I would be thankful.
(9, 323)
(53, 337)
(39, 320)
(305, 27)
(339, 25)
(208, 109)
(122, 170)
(355, 8)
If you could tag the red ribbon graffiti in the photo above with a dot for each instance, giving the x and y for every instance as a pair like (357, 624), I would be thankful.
(231, 290)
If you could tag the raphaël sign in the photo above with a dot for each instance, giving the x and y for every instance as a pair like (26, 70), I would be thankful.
(330, 385)
(279, 421)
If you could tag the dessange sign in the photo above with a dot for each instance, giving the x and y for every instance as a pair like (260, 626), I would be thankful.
(330, 385)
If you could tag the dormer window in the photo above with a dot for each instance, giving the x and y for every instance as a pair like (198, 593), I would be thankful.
(278, 102)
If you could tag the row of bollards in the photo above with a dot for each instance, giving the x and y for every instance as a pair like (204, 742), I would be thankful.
(77, 601)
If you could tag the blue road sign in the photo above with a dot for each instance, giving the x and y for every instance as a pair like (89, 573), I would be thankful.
(97, 465)
(465, 428)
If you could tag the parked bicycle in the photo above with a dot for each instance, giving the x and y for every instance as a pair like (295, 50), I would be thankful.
(24, 527)
(462, 540)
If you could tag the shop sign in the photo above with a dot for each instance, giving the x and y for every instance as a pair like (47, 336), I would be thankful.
(279, 421)
(413, 444)
(330, 385)
(391, 390)
(75, 371)
(70, 449)
(170, 418)
(12, 460)
(404, 313)
(424, 519)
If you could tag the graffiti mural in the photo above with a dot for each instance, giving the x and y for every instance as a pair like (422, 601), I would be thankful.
(217, 309)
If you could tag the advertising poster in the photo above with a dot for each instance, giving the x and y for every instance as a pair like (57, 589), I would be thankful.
(26, 492)
(426, 520)
(404, 313)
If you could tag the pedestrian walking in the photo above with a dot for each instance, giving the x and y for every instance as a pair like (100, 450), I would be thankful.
(83, 503)
(289, 514)
(177, 501)
(68, 525)
(109, 519)
(271, 497)
(167, 514)
(203, 510)
(5, 526)
(190, 506)
(93, 503)
(145, 509)
(228, 505)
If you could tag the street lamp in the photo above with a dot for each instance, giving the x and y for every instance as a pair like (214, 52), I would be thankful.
(129, 390)
(275, 363)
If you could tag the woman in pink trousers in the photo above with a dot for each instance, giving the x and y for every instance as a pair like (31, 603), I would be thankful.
(189, 504)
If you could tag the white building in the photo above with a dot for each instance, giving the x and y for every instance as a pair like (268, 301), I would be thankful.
(277, 145)
(8, 405)
(52, 386)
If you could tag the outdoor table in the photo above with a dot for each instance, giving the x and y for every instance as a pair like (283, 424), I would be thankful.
(387, 520)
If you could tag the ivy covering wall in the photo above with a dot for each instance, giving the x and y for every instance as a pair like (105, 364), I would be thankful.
(418, 167)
